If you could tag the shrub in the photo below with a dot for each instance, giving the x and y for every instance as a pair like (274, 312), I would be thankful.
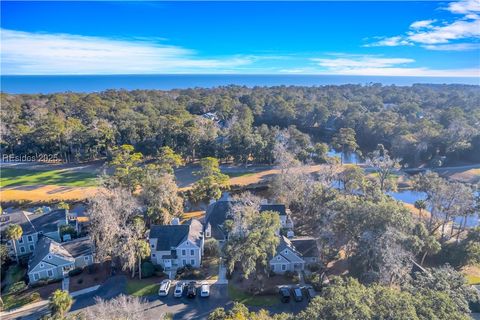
(35, 296)
(74, 272)
(212, 248)
(158, 268)
(289, 274)
(148, 269)
(314, 267)
(16, 287)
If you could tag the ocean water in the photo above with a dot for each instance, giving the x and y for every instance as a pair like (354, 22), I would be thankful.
(95, 83)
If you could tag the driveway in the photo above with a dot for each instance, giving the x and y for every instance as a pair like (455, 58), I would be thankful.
(199, 308)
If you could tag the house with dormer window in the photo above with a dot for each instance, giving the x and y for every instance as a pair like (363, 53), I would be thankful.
(294, 254)
(177, 245)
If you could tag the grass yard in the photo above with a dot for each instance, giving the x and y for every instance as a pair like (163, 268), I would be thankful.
(140, 288)
(24, 177)
(250, 300)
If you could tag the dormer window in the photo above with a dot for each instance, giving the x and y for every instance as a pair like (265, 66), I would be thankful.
(41, 265)
(278, 258)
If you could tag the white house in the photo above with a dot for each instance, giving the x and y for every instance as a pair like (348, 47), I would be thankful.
(52, 260)
(177, 245)
(294, 254)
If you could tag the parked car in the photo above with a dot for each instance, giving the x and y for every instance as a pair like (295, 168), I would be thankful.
(191, 291)
(310, 292)
(205, 290)
(164, 288)
(297, 294)
(284, 295)
(179, 289)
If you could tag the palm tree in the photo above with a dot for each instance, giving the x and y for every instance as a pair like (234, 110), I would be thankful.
(60, 303)
(420, 205)
(14, 232)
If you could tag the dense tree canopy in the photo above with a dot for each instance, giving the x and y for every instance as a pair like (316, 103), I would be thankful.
(416, 124)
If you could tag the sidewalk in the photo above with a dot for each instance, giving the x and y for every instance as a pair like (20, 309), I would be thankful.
(43, 303)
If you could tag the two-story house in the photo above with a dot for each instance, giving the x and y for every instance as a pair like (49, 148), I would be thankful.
(33, 226)
(218, 212)
(52, 260)
(177, 245)
(294, 254)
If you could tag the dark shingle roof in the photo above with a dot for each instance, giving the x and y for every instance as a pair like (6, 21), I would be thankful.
(170, 236)
(306, 246)
(216, 215)
(38, 222)
(20, 217)
(79, 247)
(45, 246)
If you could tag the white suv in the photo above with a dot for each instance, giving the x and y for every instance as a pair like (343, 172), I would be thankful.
(164, 288)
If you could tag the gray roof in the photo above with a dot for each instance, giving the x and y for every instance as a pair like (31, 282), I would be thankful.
(32, 223)
(170, 236)
(79, 247)
(46, 246)
(19, 217)
(216, 215)
(286, 243)
(306, 246)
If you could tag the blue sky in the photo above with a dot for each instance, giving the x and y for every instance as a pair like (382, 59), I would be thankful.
(425, 38)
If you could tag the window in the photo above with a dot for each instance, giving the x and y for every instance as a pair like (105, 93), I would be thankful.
(284, 267)
(192, 252)
(184, 262)
(31, 247)
(41, 265)
(20, 240)
(278, 257)
(50, 273)
(153, 255)
(273, 267)
(184, 253)
(9, 242)
(152, 245)
(30, 238)
(22, 249)
(192, 262)
(49, 257)
(86, 258)
(35, 276)
(286, 251)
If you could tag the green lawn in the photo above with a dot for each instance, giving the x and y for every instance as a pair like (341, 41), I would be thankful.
(24, 177)
(139, 288)
(250, 300)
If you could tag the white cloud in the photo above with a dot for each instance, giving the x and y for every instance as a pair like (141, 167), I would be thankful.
(464, 6)
(369, 65)
(390, 42)
(453, 47)
(422, 24)
(430, 32)
(38, 53)
(460, 29)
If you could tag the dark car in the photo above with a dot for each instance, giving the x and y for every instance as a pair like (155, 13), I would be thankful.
(310, 292)
(191, 290)
(297, 294)
(284, 295)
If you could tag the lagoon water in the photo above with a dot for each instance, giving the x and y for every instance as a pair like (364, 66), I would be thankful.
(95, 83)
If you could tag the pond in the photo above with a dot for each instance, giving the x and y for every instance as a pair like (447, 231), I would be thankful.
(410, 196)
(348, 157)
